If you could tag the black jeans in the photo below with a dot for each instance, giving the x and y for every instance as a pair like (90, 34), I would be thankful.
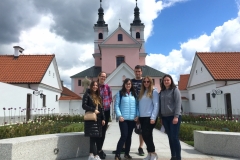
(104, 129)
(172, 131)
(147, 132)
(126, 128)
(94, 145)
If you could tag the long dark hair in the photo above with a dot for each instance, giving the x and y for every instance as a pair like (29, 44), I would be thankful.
(124, 91)
(172, 85)
(97, 91)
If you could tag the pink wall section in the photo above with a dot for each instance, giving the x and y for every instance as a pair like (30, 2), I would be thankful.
(97, 61)
(141, 61)
(79, 89)
(114, 38)
(157, 83)
(110, 54)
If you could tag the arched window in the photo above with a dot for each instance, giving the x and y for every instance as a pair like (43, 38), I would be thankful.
(100, 36)
(120, 37)
(119, 60)
(137, 35)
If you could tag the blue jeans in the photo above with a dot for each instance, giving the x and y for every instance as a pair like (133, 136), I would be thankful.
(126, 128)
(172, 131)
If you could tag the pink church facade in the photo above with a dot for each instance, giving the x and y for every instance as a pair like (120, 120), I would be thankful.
(113, 50)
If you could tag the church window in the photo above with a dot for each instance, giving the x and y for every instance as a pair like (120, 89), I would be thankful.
(153, 81)
(100, 36)
(119, 60)
(137, 35)
(120, 37)
(79, 82)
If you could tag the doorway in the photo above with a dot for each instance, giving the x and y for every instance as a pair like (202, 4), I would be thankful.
(28, 108)
(228, 105)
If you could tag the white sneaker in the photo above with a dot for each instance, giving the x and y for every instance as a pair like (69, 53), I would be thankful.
(97, 157)
(154, 156)
(91, 157)
(148, 157)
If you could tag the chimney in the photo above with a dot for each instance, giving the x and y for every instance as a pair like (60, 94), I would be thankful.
(62, 82)
(17, 51)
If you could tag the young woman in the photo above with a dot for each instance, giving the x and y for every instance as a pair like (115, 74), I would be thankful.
(170, 113)
(92, 102)
(127, 112)
(106, 95)
(148, 111)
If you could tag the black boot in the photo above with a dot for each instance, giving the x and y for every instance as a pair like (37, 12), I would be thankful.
(101, 154)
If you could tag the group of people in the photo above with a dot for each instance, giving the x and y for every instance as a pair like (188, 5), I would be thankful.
(136, 103)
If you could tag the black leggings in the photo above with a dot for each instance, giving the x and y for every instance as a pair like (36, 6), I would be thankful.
(93, 143)
(147, 132)
(104, 129)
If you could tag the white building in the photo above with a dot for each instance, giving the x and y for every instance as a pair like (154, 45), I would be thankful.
(29, 85)
(213, 86)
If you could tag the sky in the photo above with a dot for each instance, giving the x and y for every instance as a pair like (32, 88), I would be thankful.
(174, 30)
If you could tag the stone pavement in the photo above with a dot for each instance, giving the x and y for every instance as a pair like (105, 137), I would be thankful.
(161, 145)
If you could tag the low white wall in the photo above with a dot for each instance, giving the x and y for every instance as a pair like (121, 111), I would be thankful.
(217, 143)
(45, 147)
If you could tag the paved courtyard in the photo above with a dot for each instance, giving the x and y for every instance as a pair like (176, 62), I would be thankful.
(161, 145)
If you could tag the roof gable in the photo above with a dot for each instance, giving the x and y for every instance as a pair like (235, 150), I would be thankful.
(113, 38)
(24, 69)
(199, 73)
(221, 65)
(121, 72)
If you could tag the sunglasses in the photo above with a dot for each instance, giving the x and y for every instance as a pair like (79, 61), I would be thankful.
(146, 81)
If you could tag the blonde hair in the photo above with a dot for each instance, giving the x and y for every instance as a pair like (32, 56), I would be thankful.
(96, 100)
(143, 89)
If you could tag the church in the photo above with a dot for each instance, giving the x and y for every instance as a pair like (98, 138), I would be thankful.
(117, 54)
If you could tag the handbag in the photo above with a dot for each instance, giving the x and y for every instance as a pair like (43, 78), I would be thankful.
(138, 129)
(90, 116)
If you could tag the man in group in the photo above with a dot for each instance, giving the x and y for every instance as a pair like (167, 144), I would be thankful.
(137, 82)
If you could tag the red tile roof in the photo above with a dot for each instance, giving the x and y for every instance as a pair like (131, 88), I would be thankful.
(221, 65)
(24, 69)
(69, 95)
(183, 81)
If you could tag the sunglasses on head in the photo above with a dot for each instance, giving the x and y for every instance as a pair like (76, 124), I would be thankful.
(146, 81)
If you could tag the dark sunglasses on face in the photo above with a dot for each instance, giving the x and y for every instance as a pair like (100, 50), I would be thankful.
(146, 81)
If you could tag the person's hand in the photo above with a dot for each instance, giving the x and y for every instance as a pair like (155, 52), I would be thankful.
(103, 122)
(175, 120)
(152, 121)
(97, 112)
(136, 119)
(121, 119)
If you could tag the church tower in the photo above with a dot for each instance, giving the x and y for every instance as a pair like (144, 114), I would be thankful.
(137, 32)
(100, 34)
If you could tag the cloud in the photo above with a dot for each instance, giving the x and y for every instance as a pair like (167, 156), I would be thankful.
(223, 38)
(15, 17)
